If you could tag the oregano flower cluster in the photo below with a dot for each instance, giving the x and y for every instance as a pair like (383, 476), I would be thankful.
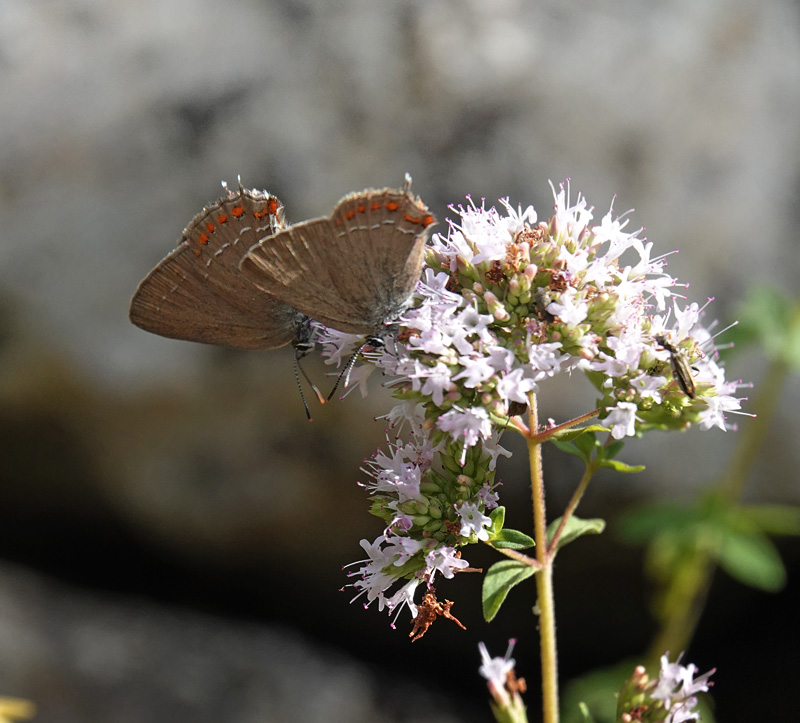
(507, 301)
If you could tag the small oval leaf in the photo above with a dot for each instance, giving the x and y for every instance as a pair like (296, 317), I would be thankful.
(575, 528)
(753, 560)
(621, 466)
(498, 518)
(499, 579)
(512, 540)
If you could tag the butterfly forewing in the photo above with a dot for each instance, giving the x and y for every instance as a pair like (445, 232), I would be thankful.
(197, 292)
(353, 271)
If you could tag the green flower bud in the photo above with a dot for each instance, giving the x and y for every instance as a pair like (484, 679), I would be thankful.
(413, 507)
(451, 463)
(433, 526)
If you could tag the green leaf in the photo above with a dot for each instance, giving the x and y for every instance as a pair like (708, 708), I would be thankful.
(773, 519)
(498, 518)
(567, 435)
(612, 449)
(499, 579)
(647, 521)
(752, 559)
(569, 448)
(511, 540)
(575, 528)
(769, 318)
(587, 443)
(615, 464)
(597, 691)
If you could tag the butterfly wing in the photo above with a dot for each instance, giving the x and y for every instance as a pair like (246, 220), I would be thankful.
(197, 292)
(353, 271)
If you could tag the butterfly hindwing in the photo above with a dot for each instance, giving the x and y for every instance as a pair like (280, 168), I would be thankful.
(197, 292)
(352, 271)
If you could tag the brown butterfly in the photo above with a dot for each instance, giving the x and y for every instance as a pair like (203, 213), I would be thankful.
(354, 271)
(197, 292)
(241, 277)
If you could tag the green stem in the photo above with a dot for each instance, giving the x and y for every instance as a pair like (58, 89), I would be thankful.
(546, 434)
(684, 599)
(544, 578)
(570, 509)
(518, 556)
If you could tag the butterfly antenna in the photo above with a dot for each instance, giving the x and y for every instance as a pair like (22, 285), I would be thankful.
(303, 344)
(295, 367)
(351, 363)
(299, 366)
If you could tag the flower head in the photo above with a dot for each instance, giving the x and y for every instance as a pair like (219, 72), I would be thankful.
(507, 302)
(677, 689)
(504, 686)
(670, 698)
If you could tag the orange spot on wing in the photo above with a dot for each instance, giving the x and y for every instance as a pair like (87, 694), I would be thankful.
(222, 218)
(375, 205)
(362, 208)
(198, 251)
(424, 221)
(392, 205)
(210, 227)
(350, 215)
(203, 238)
(238, 211)
(273, 205)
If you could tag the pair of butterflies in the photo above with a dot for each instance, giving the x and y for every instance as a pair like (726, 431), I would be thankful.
(241, 277)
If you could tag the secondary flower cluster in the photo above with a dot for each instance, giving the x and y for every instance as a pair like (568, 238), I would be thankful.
(433, 500)
(503, 684)
(507, 301)
(671, 698)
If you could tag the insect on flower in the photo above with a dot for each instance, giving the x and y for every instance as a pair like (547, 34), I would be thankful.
(542, 299)
(679, 364)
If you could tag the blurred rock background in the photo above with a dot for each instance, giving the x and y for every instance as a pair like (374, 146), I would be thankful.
(172, 529)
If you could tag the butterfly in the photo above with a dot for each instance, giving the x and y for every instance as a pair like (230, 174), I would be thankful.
(354, 271)
(197, 292)
(241, 277)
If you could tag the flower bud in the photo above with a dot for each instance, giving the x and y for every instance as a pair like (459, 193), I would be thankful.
(495, 306)
(464, 480)
(433, 526)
